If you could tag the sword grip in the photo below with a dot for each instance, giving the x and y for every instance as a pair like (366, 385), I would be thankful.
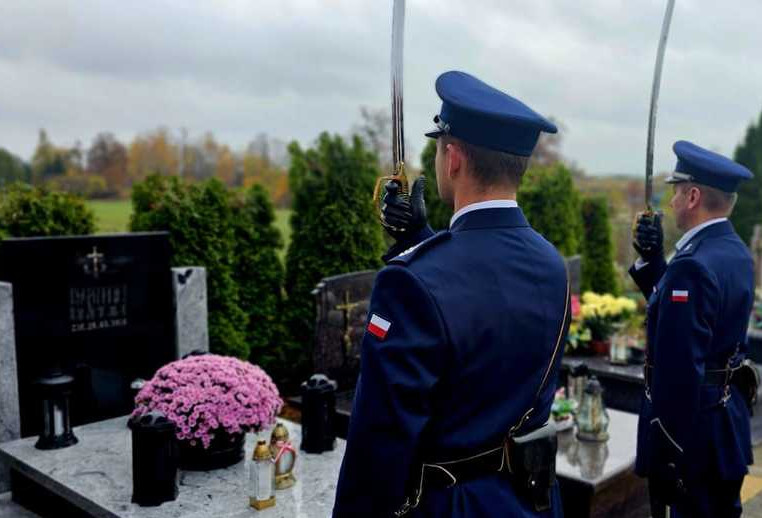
(650, 215)
(399, 177)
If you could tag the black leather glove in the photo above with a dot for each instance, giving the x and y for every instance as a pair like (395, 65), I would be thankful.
(403, 216)
(648, 237)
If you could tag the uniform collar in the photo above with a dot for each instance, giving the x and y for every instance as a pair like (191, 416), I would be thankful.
(502, 216)
(489, 204)
(695, 230)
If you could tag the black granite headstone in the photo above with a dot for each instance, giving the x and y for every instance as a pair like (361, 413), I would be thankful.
(99, 307)
(342, 310)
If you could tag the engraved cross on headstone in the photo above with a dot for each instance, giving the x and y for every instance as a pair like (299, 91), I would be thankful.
(94, 265)
(346, 309)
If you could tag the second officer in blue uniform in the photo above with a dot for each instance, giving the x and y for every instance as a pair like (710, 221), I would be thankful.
(693, 434)
(465, 334)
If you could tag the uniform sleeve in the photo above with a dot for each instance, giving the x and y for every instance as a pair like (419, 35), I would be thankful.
(393, 397)
(648, 275)
(686, 316)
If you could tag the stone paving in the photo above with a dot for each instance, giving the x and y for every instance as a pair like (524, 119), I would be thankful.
(751, 494)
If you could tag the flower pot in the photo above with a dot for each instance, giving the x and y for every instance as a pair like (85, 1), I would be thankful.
(600, 347)
(225, 450)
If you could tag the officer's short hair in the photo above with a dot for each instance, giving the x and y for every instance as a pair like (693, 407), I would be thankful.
(492, 167)
(715, 200)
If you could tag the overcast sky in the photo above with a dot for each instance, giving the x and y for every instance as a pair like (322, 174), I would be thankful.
(293, 68)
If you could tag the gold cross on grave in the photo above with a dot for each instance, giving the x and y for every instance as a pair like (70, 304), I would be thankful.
(346, 308)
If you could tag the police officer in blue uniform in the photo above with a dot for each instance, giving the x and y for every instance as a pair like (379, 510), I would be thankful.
(693, 433)
(465, 334)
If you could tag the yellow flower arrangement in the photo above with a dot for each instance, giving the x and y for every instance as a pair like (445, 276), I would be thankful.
(597, 316)
(606, 306)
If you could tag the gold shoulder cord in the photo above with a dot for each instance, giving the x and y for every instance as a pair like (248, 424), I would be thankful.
(560, 338)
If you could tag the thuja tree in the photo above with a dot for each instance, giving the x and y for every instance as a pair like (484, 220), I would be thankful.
(437, 211)
(598, 273)
(551, 203)
(198, 218)
(748, 209)
(334, 230)
(258, 273)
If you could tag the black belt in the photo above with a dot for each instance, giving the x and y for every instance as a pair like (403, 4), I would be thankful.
(528, 463)
(447, 474)
(720, 377)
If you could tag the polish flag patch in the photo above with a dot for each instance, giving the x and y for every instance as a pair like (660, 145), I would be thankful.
(378, 326)
(679, 295)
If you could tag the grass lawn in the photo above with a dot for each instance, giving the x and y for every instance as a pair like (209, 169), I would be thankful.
(114, 216)
(111, 215)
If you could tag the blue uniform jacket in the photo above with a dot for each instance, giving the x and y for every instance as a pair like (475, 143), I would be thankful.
(698, 313)
(475, 315)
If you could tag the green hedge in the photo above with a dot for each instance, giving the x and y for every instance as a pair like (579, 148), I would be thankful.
(259, 275)
(598, 273)
(27, 211)
(438, 212)
(334, 230)
(551, 204)
(748, 210)
(199, 219)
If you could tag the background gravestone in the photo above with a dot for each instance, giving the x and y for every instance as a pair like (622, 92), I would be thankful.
(100, 307)
(191, 312)
(574, 267)
(342, 308)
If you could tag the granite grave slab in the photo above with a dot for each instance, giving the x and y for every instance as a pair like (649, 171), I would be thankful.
(10, 425)
(94, 478)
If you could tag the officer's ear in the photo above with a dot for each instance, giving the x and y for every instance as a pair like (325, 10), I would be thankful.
(454, 159)
(693, 196)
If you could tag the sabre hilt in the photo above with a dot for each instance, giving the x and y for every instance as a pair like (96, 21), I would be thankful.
(400, 177)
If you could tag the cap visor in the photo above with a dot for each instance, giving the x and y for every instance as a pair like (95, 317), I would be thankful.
(435, 133)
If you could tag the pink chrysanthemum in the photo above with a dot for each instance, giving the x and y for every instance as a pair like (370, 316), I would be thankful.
(205, 394)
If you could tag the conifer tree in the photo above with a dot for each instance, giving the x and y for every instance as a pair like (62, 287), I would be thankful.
(748, 209)
(334, 230)
(598, 273)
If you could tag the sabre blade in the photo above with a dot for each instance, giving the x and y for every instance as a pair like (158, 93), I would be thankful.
(398, 134)
(655, 100)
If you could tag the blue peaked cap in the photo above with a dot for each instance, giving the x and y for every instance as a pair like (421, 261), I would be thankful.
(699, 165)
(483, 116)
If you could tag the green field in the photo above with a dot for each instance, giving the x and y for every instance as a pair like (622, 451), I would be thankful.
(111, 216)
(114, 216)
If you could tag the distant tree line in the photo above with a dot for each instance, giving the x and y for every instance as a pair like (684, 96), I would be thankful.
(109, 168)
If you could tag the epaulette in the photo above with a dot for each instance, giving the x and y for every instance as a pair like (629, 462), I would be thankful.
(688, 249)
(416, 251)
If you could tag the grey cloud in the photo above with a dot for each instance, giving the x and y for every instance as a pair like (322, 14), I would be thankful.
(293, 68)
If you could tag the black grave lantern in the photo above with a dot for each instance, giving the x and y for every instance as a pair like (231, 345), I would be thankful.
(55, 391)
(318, 414)
(155, 459)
